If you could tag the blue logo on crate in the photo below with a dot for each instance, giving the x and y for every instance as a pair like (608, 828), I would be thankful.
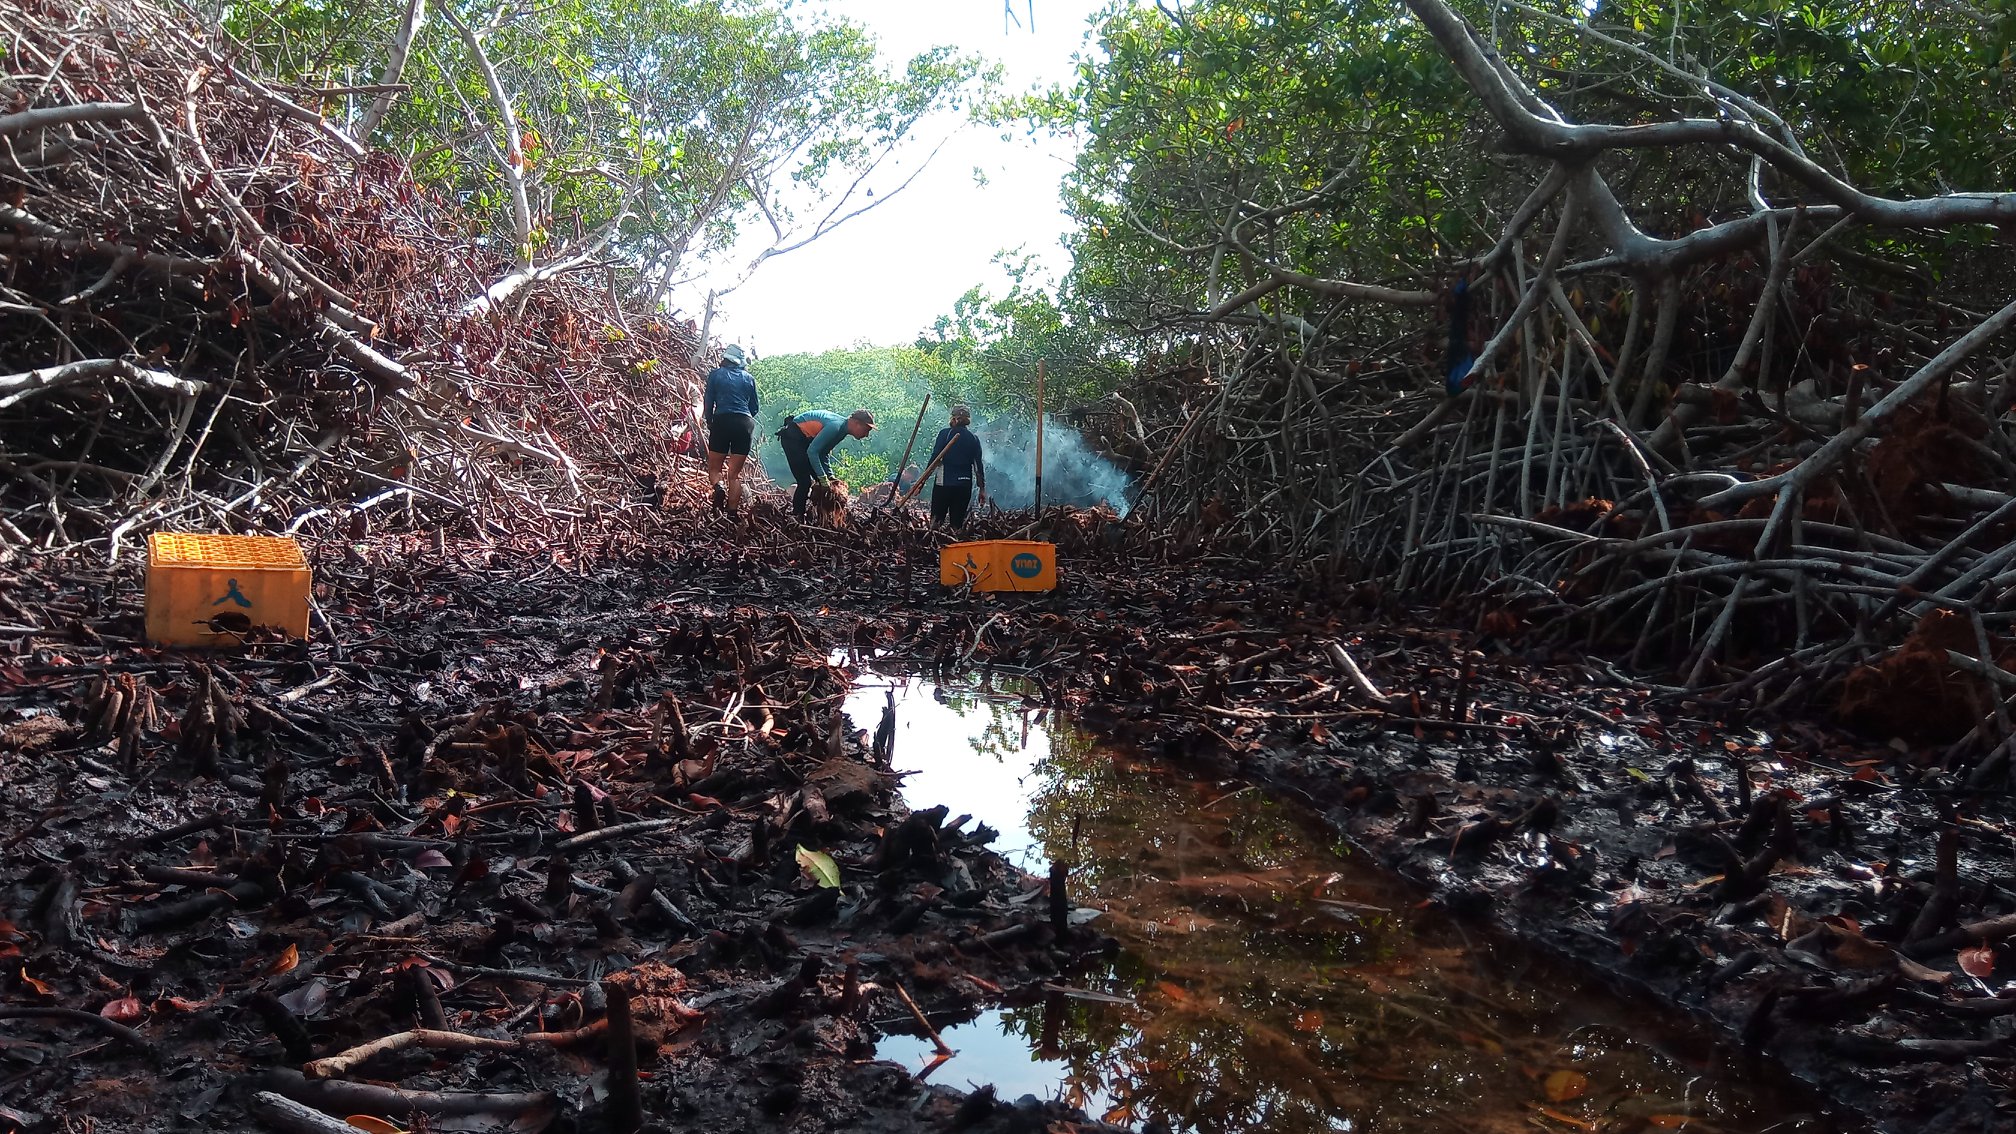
(234, 595)
(1025, 565)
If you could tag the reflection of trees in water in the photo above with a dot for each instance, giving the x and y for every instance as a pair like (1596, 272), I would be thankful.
(1004, 725)
(1212, 892)
(1270, 1000)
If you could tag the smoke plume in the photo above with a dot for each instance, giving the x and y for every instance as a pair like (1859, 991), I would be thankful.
(1073, 473)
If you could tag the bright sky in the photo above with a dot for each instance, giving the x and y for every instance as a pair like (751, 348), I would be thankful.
(884, 276)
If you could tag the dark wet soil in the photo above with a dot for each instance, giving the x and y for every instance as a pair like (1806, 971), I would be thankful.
(492, 797)
(247, 862)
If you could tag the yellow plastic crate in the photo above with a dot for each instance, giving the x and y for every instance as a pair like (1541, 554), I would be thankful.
(999, 565)
(213, 590)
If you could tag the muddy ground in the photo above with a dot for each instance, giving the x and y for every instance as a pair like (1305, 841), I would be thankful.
(499, 789)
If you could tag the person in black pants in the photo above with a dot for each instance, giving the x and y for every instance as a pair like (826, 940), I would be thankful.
(956, 456)
(808, 440)
(730, 408)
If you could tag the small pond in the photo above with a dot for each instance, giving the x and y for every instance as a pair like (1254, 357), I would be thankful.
(1269, 978)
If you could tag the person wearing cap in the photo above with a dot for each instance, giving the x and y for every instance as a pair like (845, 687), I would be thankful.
(956, 456)
(809, 439)
(730, 409)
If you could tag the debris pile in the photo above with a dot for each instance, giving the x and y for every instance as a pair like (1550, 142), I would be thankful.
(227, 314)
(486, 868)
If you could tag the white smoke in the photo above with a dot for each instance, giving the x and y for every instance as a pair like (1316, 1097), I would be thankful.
(1073, 473)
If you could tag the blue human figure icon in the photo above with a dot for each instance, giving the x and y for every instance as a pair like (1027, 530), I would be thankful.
(233, 594)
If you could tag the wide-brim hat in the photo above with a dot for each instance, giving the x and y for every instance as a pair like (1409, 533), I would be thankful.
(734, 354)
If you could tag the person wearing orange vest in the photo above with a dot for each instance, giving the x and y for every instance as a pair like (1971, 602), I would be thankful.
(808, 440)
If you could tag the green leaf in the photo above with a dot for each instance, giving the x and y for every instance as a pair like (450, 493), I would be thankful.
(820, 867)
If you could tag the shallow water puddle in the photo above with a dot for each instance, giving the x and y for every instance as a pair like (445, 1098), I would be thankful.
(1269, 979)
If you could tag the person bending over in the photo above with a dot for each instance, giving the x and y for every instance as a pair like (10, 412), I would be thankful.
(809, 439)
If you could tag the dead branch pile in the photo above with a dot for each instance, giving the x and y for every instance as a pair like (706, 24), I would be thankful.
(220, 311)
(1755, 448)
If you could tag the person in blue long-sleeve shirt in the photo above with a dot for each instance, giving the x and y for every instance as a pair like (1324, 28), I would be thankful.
(956, 457)
(808, 440)
(730, 409)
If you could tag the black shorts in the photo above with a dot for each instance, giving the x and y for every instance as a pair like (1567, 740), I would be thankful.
(731, 433)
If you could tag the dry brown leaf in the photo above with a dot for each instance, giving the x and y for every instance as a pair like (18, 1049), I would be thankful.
(1978, 961)
(1858, 952)
(1562, 1086)
(124, 1010)
(288, 958)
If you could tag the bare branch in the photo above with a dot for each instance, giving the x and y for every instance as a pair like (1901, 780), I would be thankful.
(19, 387)
(1342, 288)
(44, 117)
(828, 223)
(1537, 129)
(246, 86)
(1790, 483)
(513, 163)
(528, 276)
(395, 66)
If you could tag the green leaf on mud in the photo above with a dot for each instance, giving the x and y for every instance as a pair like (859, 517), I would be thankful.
(821, 867)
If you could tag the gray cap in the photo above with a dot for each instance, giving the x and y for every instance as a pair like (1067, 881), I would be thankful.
(734, 354)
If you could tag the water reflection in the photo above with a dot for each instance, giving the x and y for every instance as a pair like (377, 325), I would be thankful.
(1272, 982)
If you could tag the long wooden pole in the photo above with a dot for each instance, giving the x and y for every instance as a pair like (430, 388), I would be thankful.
(1039, 438)
(896, 478)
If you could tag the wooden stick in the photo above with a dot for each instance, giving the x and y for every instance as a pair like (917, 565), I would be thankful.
(937, 458)
(896, 477)
(917, 1013)
(1349, 668)
(1991, 929)
(344, 1062)
(1039, 439)
(340, 1097)
(1060, 903)
(111, 1028)
(620, 830)
(290, 1117)
(626, 1101)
